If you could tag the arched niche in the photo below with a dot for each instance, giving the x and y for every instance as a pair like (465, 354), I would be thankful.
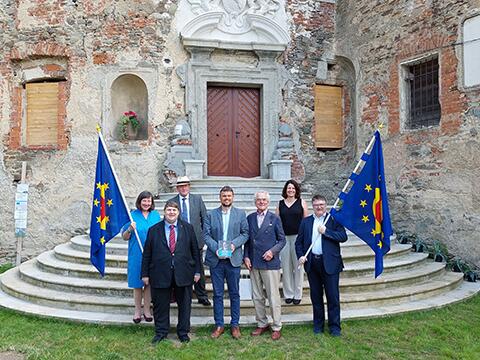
(129, 93)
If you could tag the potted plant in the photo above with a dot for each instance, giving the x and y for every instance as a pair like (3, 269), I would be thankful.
(129, 125)
(439, 251)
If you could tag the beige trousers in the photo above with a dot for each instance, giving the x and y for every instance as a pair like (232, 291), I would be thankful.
(292, 276)
(266, 285)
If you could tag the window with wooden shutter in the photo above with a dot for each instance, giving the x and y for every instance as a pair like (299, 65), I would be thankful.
(42, 113)
(328, 117)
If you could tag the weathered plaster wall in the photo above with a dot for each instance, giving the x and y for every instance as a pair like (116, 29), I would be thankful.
(97, 39)
(432, 173)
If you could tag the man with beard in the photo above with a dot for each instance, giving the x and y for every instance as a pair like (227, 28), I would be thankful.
(225, 225)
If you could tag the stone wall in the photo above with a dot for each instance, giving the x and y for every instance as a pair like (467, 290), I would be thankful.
(432, 173)
(97, 40)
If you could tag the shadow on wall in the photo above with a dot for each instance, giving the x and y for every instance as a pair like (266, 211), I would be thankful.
(129, 93)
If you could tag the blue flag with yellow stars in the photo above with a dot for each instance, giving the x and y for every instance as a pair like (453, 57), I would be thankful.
(109, 212)
(365, 207)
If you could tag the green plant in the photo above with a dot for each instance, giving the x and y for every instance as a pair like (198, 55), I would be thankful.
(5, 267)
(458, 265)
(129, 118)
(439, 251)
(419, 246)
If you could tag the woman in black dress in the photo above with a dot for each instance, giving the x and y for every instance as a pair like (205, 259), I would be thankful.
(292, 209)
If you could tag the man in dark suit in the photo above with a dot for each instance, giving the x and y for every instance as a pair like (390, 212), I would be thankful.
(225, 225)
(262, 250)
(193, 211)
(323, 264)
(171, 261)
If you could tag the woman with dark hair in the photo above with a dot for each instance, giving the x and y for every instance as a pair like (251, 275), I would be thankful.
(143, 218)
(292, 209)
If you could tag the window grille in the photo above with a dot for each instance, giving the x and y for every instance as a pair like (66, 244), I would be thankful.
(424, 103)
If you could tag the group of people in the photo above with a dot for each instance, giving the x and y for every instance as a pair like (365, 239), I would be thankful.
(272, 246)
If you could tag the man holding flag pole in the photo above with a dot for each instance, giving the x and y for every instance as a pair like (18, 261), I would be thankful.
(109, 211)
(364, 211)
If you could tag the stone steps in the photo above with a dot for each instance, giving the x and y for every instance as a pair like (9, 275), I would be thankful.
(91, 299)
(62, 283)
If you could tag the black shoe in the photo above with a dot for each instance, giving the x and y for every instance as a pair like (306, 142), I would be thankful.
(184, 339)
(288, 301)
(297, 301)
(204, 302)
(157, 338)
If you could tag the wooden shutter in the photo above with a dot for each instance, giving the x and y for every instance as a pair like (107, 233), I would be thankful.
(328, 117)
(42, 114)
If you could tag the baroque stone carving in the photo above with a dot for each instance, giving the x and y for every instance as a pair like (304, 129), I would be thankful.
(234, 19)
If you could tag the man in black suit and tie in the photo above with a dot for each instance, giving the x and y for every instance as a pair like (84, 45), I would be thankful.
(323, 264)
(171, 261)
(193, 211)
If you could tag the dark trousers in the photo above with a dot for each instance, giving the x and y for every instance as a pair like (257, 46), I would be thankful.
(199, 286)
(161, 308)
(320, 280)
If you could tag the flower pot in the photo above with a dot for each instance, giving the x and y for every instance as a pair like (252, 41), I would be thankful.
(131, 132)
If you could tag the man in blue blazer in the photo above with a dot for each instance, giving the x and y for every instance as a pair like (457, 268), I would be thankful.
(171, 261)
(262, 250)
(323, 264)
(193, 211)
(225, 224)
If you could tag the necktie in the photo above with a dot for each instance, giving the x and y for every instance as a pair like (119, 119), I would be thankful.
(184, 210)
(171, 239)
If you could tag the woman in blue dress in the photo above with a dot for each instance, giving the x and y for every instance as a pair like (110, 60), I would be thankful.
(143, 218)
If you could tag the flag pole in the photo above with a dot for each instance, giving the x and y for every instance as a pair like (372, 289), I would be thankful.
(100, 136)
(369, 147)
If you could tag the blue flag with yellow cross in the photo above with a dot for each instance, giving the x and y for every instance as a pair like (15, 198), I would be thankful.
(109, 212)
(364, 209)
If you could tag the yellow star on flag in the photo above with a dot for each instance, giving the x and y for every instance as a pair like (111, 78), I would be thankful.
(96, 202)
(109, 202)
(380, 244)
(365, 218)
(363, 203)
(102, 240)
(368, 187)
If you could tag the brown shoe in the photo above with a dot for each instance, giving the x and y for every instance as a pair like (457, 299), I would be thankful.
(260, 330)
(276, 335)
(235, 331)
(217, 332)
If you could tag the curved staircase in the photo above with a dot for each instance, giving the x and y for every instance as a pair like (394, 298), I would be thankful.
(61, 283)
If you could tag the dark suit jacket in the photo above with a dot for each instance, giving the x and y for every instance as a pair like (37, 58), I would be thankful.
(334, 235)
(157, 260)
(270, 236)
(197, 213)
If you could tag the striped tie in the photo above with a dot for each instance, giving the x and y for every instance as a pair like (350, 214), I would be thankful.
(171, 239)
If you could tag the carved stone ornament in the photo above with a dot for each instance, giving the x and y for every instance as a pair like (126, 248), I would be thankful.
(235, 20)
(223, 23)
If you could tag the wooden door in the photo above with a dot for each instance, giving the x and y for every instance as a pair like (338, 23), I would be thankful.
(233, 127)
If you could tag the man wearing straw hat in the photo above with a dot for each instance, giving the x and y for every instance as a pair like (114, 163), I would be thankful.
(193, 211)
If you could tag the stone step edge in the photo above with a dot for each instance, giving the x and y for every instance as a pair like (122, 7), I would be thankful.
(49, 263)
(463, 292)
(435, 285)
(429, 269)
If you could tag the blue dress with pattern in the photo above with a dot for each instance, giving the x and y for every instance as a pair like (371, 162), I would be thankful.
(134, 252)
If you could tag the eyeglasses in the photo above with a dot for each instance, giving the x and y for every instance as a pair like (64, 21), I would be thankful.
(319, 205)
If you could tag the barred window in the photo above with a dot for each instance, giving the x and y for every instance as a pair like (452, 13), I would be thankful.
(424, 106)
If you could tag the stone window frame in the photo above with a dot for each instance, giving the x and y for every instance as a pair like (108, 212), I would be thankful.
(404, 89)
(462, 51)
(44, 69)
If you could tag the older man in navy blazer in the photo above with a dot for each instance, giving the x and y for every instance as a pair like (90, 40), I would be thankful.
(323, 264)
(262, 250)
(225, 224)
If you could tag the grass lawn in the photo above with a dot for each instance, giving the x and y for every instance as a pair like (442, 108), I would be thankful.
(449, 333)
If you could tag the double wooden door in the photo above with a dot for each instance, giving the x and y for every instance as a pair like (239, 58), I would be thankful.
(233, 128)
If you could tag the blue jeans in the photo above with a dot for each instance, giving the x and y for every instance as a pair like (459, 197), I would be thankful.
(225, 271)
